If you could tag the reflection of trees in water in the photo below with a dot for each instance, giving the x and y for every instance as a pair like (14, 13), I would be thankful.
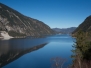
(14, 53)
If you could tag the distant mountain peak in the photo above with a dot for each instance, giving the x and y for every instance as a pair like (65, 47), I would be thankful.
(64, 30)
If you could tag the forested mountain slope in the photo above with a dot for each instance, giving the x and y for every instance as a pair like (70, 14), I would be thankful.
(17, 24)
(85, 26)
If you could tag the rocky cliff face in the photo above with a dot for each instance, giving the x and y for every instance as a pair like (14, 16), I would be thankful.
(16, 24)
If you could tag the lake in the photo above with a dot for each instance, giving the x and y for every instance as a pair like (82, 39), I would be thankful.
(35, 53)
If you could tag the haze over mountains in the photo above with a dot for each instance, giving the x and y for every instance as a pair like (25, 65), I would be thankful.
(85, 26)
(64, 30)
(16, 24)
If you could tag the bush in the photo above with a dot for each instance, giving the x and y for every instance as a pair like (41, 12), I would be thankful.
(15, 34)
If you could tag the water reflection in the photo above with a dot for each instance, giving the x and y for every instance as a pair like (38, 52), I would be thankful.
(10, 50)
(58, 46)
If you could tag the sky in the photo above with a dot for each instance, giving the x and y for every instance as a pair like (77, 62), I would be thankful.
(54, 13)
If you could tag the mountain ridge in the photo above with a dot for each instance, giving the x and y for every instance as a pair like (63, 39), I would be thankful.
(17, 24)
(64, 30)
(85, 26)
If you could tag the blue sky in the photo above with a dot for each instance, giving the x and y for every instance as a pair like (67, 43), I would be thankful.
(55, 13)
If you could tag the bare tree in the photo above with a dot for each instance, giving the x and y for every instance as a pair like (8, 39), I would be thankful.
(57, 62)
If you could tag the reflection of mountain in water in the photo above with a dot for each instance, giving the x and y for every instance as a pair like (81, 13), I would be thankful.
(9, 52)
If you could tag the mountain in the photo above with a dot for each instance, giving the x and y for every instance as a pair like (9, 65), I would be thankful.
(85, 26)
(64, 30)
(17, 24)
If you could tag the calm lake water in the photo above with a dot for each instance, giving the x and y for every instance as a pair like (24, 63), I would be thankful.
(35, 53)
